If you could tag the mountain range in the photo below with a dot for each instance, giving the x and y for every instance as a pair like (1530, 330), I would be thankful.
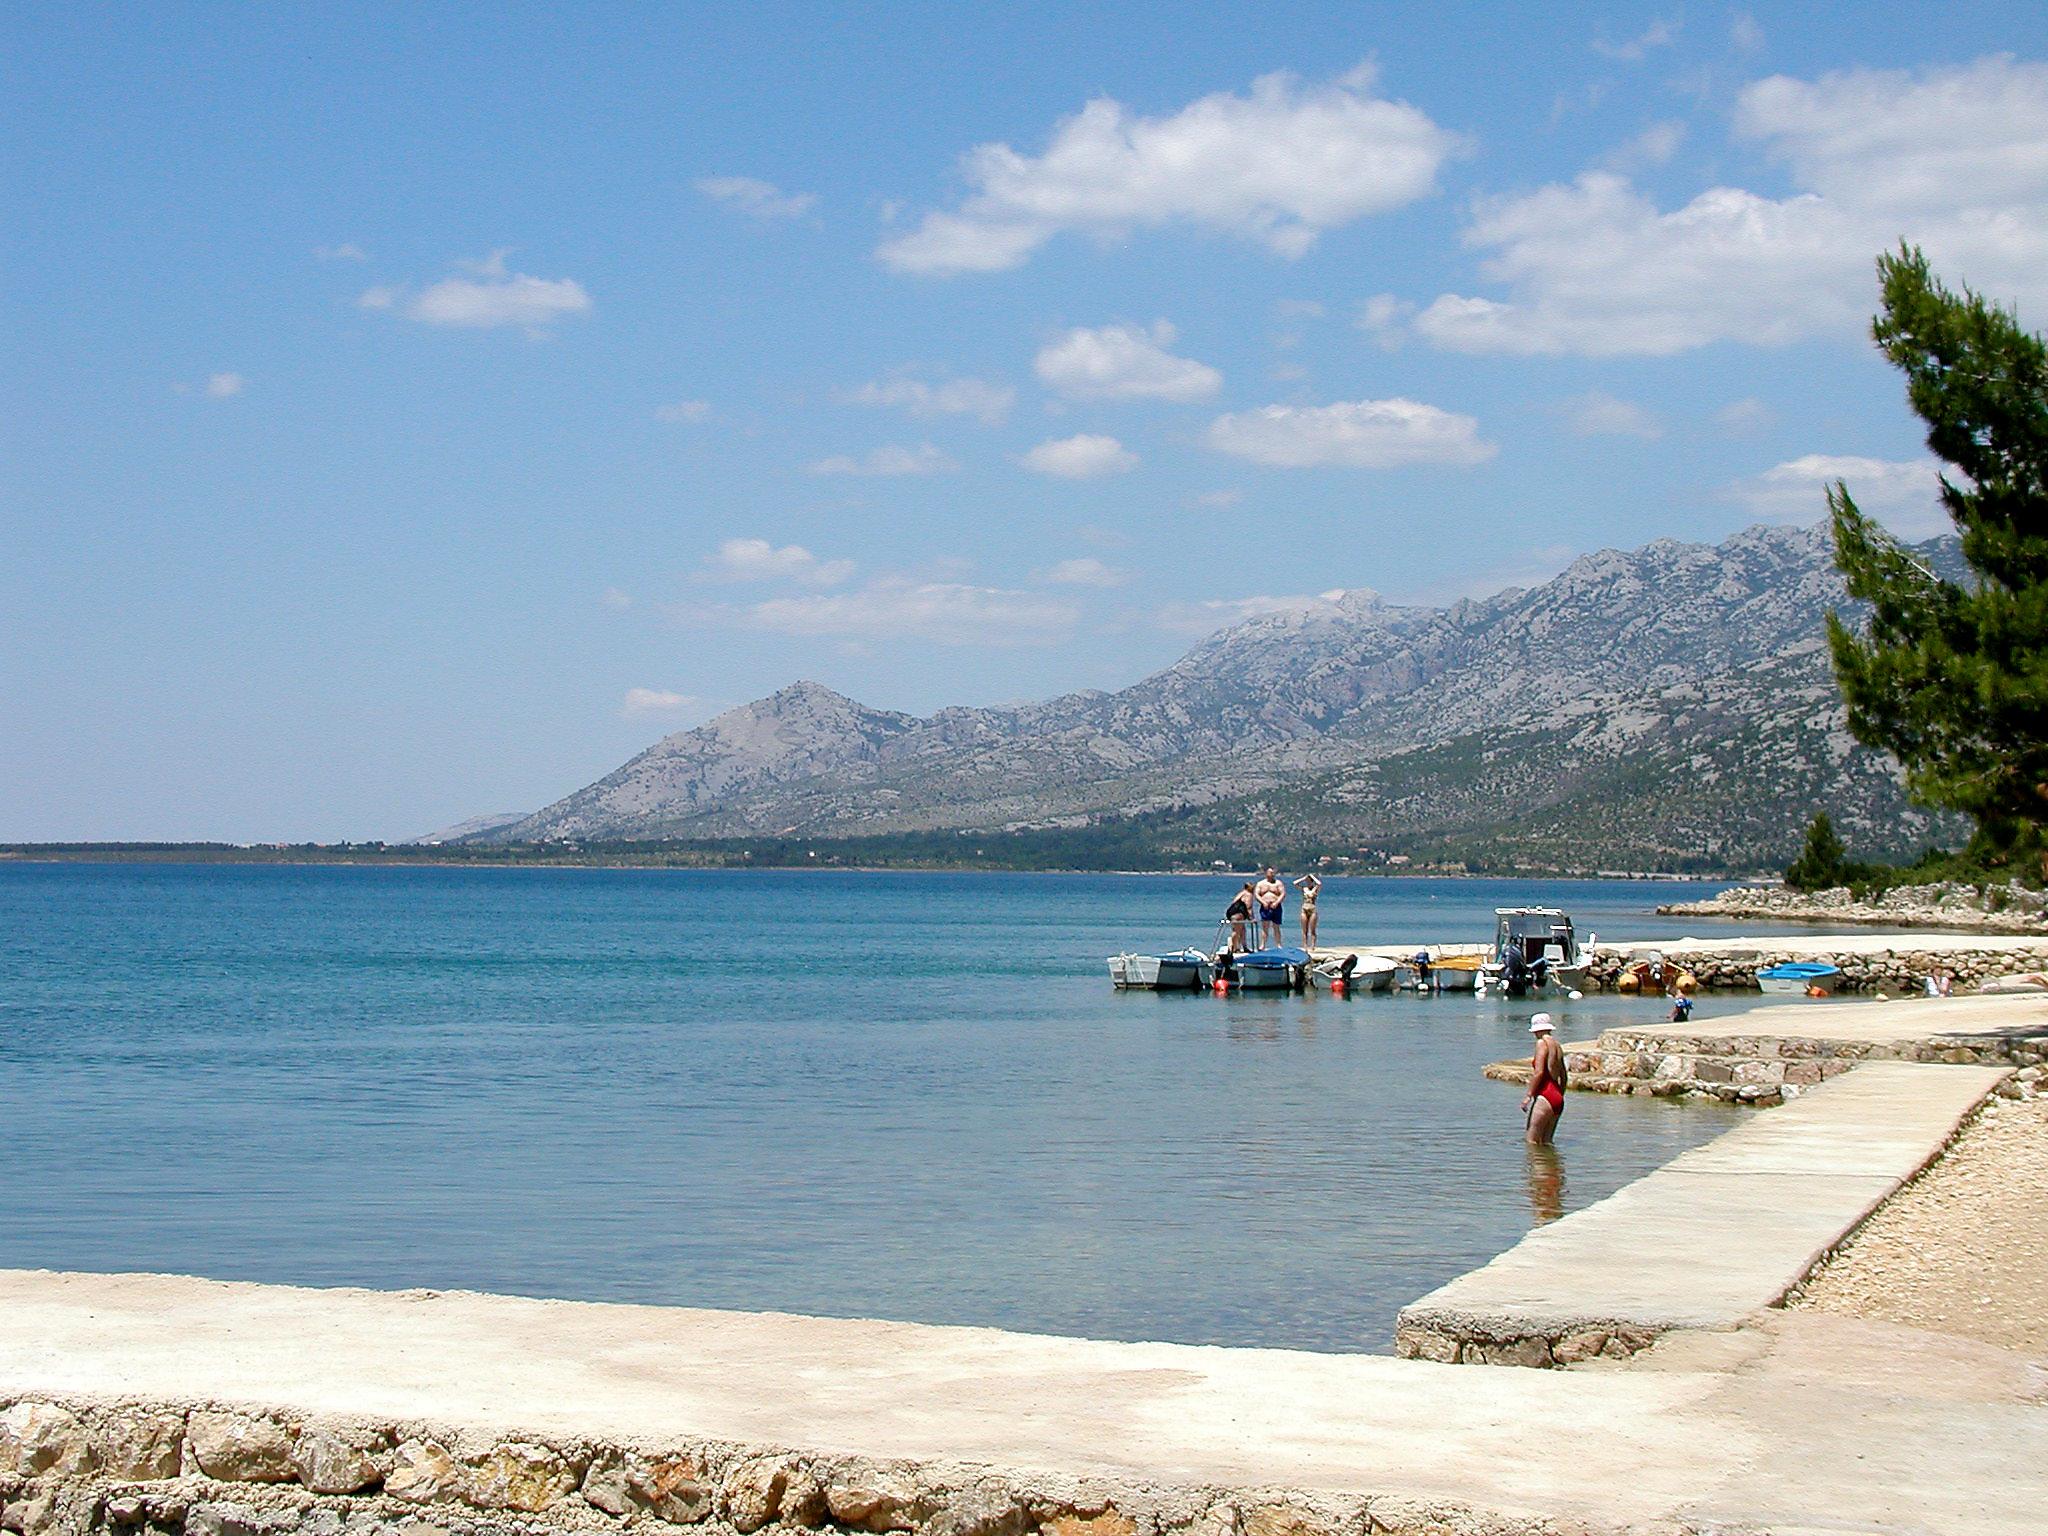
(1667, 707)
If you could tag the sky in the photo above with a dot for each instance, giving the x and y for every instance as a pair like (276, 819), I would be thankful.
(413, 411)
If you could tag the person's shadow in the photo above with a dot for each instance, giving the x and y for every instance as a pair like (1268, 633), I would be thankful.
(1546, 1183)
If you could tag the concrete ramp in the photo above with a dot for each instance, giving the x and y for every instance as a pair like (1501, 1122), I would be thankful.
(1713, 1236)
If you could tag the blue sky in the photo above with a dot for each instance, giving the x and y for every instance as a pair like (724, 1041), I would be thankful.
(412, 412)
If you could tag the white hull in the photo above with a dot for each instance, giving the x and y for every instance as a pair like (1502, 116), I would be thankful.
(1157, 973)
(1371, 974)
(1797, 986)
(1261, 978)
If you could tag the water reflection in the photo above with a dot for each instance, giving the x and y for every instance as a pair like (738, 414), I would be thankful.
(1546, 1183)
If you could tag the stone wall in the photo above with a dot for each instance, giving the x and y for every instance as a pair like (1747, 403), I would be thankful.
(155, 1469)
(1763, 1070)
(1900, 970)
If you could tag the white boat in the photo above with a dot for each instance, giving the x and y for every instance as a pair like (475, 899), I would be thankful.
(1356, 973)
(1187, 970)
(1534, 950)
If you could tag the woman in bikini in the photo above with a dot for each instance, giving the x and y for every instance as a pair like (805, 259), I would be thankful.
(1545, 1100)
(1309, 886)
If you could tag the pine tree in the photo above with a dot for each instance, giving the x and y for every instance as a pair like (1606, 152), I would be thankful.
(1952, 678)
(1823, 862)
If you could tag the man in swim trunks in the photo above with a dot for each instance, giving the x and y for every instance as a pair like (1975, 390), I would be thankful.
(1544, 1102)
(1271, 895)
(1237, 914)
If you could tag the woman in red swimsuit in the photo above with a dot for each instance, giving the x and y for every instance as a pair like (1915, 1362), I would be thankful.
(1544, 1102)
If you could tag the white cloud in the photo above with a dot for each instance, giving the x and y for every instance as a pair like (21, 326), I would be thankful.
(640, 702)
(1900, 493)
(1952, 159)
(1655, 145)
(759, 560)
(988, 403)
(924, 459)
(1744, 416)
(943, 612)
(220, 386)
(1086, 571)
(683, 411)
(1359, 434)
(489, 296)
(340, 253)
(757, 198)
(1085, 456)
(1279, 165)
(1123, 362)
(617, 599)
(1744, 32)
(1659, 34)
(1598, 414)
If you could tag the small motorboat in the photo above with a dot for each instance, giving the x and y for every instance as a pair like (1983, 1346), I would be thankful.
(1187, 970)
(1803, 978)
(1355, 973)
(1281, 968)
(1534, 950)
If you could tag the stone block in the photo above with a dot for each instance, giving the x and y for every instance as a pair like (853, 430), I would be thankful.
(874, 1499)
(136, 1446)
(769, 1488)
(1533, 1352)
(423, 1472)
(520, 1476)
(42, 1438)
(337, 1459)
(1412, 1343)
(671, 1489)
(1110, 1522)
(238, 1448)
(984, 1510)
(1583, 1345)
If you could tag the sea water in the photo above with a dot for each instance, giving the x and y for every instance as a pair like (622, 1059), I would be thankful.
(892, 1095)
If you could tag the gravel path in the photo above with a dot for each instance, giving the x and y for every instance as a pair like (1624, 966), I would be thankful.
(1964, 1248)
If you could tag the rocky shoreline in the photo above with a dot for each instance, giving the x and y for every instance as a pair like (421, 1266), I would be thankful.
(1951, 904)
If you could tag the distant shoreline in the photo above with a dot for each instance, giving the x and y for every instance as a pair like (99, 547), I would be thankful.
(423, 857)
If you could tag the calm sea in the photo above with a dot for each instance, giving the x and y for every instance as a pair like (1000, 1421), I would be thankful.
(899, 1095)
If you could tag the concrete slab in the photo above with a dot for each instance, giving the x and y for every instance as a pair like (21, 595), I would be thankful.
(1905, 1021)
(1725, 1229)
(1763, 1447)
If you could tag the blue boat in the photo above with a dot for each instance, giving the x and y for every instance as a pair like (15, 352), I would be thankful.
(1281, 968)
(1799, 977)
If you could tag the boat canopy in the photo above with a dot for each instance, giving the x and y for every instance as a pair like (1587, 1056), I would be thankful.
(1280, 955)
(1534, 931)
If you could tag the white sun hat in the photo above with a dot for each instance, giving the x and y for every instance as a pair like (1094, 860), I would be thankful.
(1541, 1024)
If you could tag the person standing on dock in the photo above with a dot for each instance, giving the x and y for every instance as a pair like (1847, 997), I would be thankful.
(1238, 914)
(1544, 1102)
(1310, 885)
(1271, 895)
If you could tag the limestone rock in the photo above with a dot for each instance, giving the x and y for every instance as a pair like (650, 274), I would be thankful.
(1584, 1345)
(769, 1488)
(874, 1500)
(37, 1438)
(520, 1476)
(1110, 1522)
(604, 1484)
(1529, 1352)
(423, 1472)
(334, 1459)
(979, 1511)
(672, 1490)
(238, 1448)
(34, 1513)
(139, 1447)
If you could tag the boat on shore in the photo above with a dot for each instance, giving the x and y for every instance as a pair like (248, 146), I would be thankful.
(1802, 978)
(1187, 970)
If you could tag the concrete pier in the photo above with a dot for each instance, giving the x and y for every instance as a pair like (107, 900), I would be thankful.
(1719, 1233)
